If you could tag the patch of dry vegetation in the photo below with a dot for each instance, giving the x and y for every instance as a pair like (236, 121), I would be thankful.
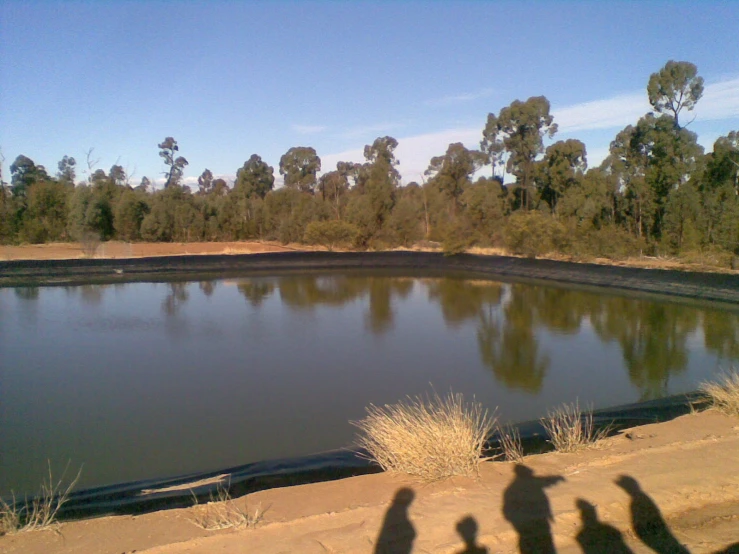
(429, 438)
(570, 429)
(222, 512)
(724, 393)
(510, 443)
(41, 511)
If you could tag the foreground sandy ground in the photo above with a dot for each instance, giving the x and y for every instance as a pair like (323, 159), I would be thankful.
(116, 249)
(678, 480)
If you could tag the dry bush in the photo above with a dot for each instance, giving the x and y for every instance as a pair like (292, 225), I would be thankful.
(510, 443)
(429, 438)
(724, 394)
(221, 512)
(39, 512)
(569, 429)
(89, 243)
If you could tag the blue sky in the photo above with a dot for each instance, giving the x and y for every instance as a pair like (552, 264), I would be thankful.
(230, 79)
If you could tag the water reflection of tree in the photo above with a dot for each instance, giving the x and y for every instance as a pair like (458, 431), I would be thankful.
(208, 287)
(652, 336)
(308, 292)
(462, 299)
(92, 294)
(721, 334)
(508, 343)
(176, 297)
(256, 291)
(27, 293)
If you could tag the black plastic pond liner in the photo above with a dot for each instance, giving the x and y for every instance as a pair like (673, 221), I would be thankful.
(147, 496)
(711, 287)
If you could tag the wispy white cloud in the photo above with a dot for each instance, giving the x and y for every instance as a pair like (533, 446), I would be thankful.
(459, 98)
(720, 101)
(384, 127)
(308, 129)
(618, 111)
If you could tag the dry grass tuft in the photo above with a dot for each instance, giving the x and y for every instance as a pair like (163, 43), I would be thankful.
(429, 438)
(570, 430)
(510, 443)
(724, 394)
(221, 512)
(40, 512)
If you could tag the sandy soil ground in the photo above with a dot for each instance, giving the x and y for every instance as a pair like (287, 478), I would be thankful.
(669, 487)
(116, 249)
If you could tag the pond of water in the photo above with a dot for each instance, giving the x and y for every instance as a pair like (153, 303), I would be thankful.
(147, 380)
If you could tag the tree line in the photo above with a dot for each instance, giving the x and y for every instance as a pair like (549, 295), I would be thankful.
(657, 192)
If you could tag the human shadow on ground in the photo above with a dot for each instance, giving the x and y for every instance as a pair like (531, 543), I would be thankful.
(595, 536)
(647, 520)
(467, 529)
(526, 507)
(397, 532)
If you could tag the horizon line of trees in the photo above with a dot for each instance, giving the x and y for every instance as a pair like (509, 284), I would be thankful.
(657, 192)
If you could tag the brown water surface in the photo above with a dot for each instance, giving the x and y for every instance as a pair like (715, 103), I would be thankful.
(148, 380)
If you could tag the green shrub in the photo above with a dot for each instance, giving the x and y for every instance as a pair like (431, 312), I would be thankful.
(611, 241)
(330, 233)
(534, 233)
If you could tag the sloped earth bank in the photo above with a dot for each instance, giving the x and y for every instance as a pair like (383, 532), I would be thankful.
(117, 249)
(679, 481)
(710, 287)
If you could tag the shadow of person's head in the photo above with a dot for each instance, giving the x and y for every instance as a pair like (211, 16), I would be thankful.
(587, 511)
(467, 529)
(404, 497)
(523, 471)
(629, 484)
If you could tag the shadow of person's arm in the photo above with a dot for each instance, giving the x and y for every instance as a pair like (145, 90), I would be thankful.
(551, 480)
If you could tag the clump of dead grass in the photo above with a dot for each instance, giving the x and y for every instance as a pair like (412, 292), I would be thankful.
(431, 438)
(41, 511)
(511, 446)
(724, 393)
(222, 512)
(570, 429)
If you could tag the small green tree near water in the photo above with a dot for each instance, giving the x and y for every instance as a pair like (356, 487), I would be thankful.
(533, 234)
(331, 233)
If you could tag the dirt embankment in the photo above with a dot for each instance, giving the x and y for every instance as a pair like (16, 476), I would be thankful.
(117, 249)
(668, 487)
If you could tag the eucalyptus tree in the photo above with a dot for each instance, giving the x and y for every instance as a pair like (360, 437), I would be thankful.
(299, 166)
(492, 145)
(255, 178)
(67, 172)
(521, 128)
(562, 167)
(484, 207)
(675, 87)
(333, 187)
(24, 173)
(168, 150)
(377, 181)
(117, 176)
(205, 182)
(253, 181)
(453, 171)
(719, 189)
(650, 159)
